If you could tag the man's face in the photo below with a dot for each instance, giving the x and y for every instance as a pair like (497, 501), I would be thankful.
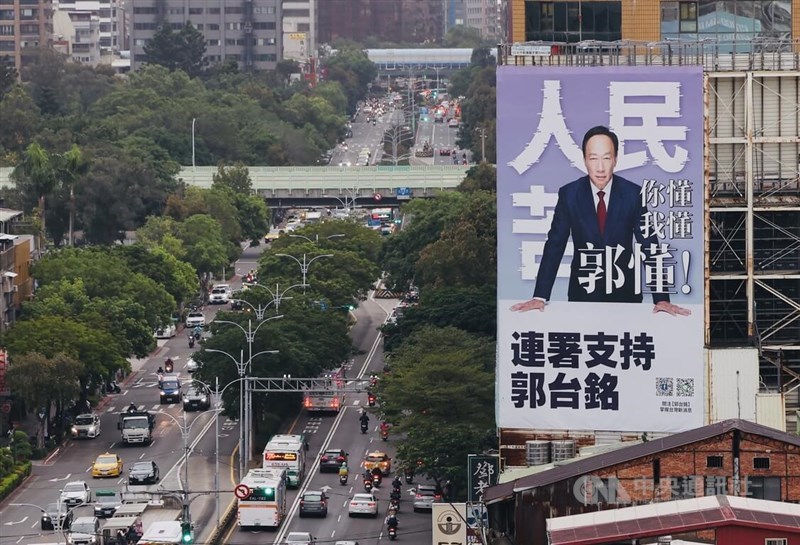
(600, 160)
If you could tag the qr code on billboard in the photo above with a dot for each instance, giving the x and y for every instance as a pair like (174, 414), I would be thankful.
(664, 386)
(684, 387)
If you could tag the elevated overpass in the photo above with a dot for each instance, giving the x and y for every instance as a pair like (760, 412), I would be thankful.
(332, 185)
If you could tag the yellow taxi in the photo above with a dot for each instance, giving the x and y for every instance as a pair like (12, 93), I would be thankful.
(380, 460)
(107, 465)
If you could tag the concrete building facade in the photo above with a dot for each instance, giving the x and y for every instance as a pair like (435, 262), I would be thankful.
(299, 31)
(246, 32)
(25, 25)
(404, 21)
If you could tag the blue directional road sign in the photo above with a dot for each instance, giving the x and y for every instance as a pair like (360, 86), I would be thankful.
(403, 193)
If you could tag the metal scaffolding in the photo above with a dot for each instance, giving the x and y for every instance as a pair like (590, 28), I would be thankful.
(752, 209)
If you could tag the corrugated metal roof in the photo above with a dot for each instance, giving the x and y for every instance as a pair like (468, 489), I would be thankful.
(7, 214)
(626, 454)
(679, 516)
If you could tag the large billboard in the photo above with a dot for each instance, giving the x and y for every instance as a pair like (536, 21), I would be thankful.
(600, 248)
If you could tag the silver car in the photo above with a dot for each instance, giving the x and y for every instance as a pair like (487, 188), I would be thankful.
(425, 496)
(363, 504)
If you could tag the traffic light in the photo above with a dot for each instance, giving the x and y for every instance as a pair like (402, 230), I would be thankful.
(186, 532)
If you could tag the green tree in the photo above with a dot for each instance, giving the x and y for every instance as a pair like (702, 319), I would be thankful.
(40, 381)
(21, 120)
(352, 68)
(162, 231)
(73, 166)
(205, 246)
(470, 309)
(461, 36)
(8, 75)
(451, 413)
(481, 177)
(183, 50)
(466, 252)
(36, 176)
(50, 336)
(235, 178)
(253, 216)
(155, 262)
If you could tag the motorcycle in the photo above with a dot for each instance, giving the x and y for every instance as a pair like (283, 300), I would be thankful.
(160, 378)
(363, 427)
(385, 435)
(392, 532)
(395, 495)
(367, 485)
(113, 388)
(394, 504)
(376, 480)
(409, 475)
(342, 479)
(371, 400)
(191, 341)
(168, 366)
(197, 335)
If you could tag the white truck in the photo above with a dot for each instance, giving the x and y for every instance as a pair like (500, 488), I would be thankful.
(136, 427)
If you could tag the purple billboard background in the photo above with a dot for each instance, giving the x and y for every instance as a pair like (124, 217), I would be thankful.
(585, 100)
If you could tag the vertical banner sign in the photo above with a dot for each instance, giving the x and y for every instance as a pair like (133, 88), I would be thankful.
(449, 523)
(600, 248)
(482, 472)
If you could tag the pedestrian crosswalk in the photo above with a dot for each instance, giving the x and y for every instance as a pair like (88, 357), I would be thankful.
(157, 407)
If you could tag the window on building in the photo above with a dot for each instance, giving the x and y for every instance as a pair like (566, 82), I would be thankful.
(200, 26)
(213, 11)
(763, 488)
(6, 15)
(573, 21)
(213, 26)
(144, 11)
(303, 27)
(232, 10)
(267, 57)
(761, 462)
(714, 461)
(687, 15)
(175, 11)
(212, 43)
(776, 541)
(6, 30)
(263, 26)
(295, 13)
(195, 11)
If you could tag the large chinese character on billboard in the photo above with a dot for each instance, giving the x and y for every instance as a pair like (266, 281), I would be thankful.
(600, 248)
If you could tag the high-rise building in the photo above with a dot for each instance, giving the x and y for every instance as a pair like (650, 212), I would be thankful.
(299, 31)
(246, 32)
(402, 21)
(25, 25)
(108, 14)
(481, 15)
(76, 34)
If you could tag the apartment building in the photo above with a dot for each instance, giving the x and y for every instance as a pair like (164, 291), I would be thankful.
(108, 14)
(403, 21)
(246, 32)
(77, 35)
(25, 25)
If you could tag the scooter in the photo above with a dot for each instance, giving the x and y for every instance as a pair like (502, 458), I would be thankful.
(409, 475)
(367, 486)
(363, 427)
(394, 504)
(371, 400)
(168, 366)
(376, 480)
(342, 479)
(392, 532)
(113, 388)
(191, 341)
(385, 435)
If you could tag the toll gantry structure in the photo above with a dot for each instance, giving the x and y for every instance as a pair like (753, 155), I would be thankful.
(752, 188)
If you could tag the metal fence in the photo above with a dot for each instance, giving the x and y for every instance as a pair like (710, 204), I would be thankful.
(711, 54)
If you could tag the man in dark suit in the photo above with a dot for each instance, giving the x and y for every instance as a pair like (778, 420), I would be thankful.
(598, 210)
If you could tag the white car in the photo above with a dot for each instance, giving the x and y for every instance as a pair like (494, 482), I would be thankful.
(166, 332)
(363, 504)
(76, 493)
(86, 425)
(299, 538)
(192, 365)
(195, 318)
(220, 294)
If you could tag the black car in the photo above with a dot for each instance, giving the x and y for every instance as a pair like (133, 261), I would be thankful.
(57, 517)
(314, 502)
(144, 473)
(106, 503)
(332, 460)
(197, 397)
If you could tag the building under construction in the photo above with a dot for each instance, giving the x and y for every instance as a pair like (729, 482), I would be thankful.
(752, 218)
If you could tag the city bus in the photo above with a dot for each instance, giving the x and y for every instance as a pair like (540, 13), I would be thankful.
(264, 501)
(329, 399)
(287, 452)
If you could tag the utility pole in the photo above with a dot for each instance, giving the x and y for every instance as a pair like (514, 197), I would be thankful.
(482, 132)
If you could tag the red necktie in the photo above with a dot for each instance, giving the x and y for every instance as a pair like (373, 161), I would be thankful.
(601, 211)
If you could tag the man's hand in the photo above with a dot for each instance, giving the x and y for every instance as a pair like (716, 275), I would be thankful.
(533, 304)
(669, 308)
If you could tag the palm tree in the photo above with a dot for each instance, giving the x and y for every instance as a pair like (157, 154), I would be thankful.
(37, 172)
(73, 166)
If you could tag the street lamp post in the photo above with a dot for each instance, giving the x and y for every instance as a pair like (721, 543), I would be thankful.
(194, 168)
(184, 427)
(304, 265)
(315, 240)
(277, 297)
(241, 367)
(246, 422)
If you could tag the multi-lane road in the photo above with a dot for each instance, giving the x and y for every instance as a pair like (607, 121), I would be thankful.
(19, 524)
